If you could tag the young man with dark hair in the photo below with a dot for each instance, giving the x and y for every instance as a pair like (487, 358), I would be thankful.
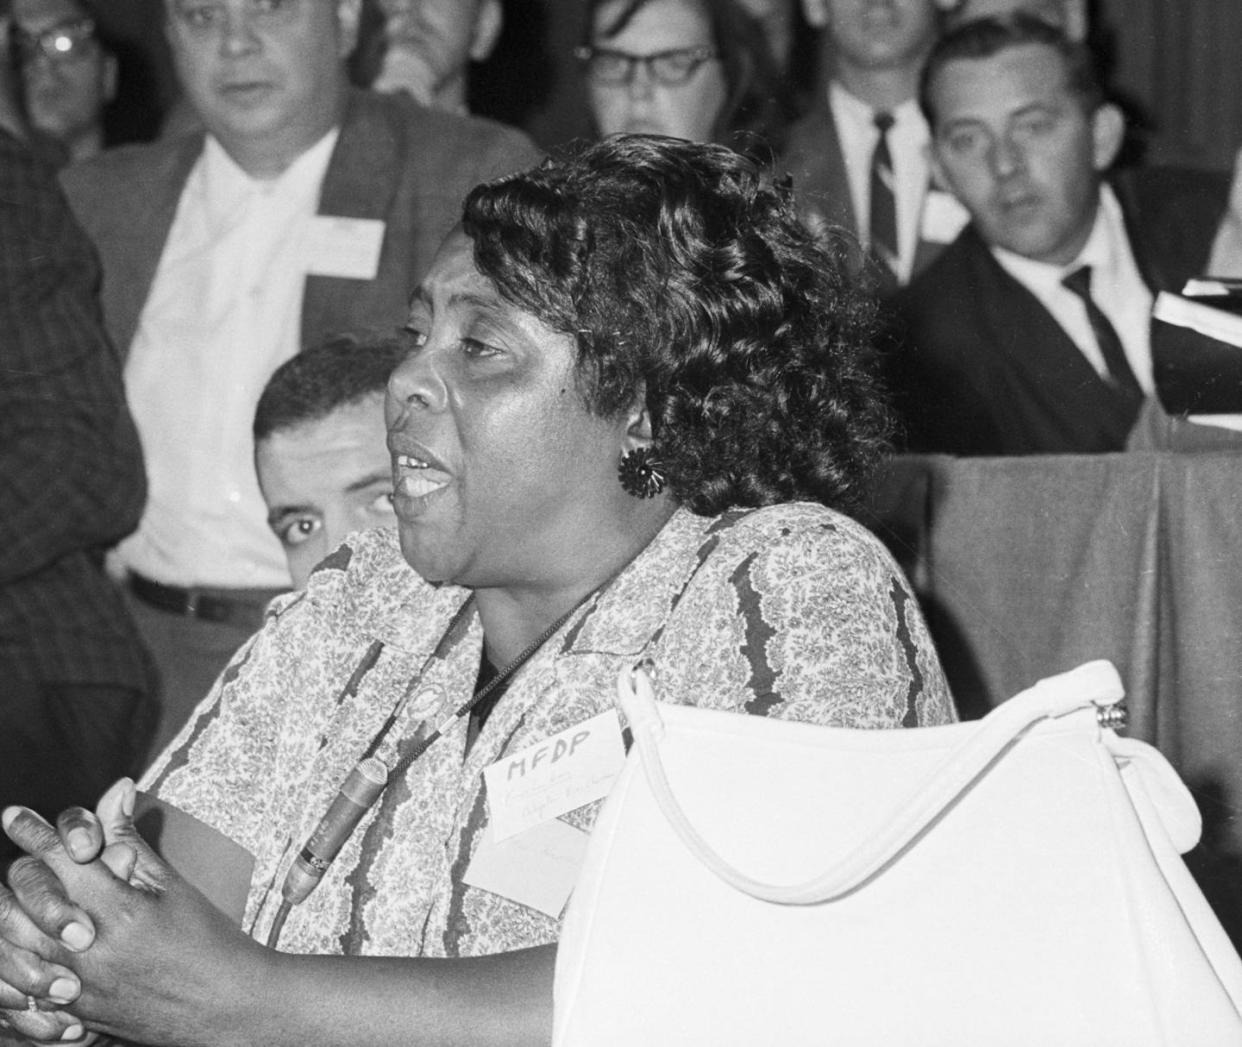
(321, 448)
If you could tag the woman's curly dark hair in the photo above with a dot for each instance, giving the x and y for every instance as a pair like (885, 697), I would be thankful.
(684, 273)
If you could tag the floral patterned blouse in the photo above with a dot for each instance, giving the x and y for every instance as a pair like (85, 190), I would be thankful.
(791, 611)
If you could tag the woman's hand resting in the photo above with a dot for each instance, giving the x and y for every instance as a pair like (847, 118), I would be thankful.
(119, 942)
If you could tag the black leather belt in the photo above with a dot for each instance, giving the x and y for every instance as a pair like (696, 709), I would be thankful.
(208, 605)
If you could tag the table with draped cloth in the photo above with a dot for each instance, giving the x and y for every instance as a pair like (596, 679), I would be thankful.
(1030, 566)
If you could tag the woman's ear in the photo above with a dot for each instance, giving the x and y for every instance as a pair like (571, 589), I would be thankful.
(638, 429)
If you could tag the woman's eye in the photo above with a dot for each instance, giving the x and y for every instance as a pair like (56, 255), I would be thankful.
(382, 504)
(477, 350)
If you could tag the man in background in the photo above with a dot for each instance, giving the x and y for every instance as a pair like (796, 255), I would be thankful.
(69, 76)
(426, 47)
(76, 708)
(1070, 16)
(321, 447)
(302, 208)
(1032, 333)
(859, 157)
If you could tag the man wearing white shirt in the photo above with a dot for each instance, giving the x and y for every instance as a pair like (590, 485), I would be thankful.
(1032, 332)
(305, 209)
(859, 158)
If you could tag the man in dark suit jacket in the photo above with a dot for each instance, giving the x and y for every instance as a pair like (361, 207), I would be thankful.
(872, 59)
(76, 700)
(1002, 353)
(302, 209)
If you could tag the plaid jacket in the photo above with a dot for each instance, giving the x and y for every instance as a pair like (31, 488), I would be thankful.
(71, 477)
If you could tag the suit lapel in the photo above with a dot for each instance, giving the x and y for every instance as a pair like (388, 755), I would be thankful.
(1050, 380)
(1018, 325)
(132, 253)
(360, 182)
(820, 181)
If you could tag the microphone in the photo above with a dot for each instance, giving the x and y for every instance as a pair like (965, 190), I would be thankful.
(364, 784)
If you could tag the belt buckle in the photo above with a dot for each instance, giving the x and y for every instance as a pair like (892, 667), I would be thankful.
(191, 604)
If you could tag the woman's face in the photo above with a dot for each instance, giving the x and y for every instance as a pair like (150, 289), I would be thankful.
(642, 104)
(502, 477)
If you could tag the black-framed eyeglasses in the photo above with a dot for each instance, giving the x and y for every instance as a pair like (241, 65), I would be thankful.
(63, 42)
(669, 68)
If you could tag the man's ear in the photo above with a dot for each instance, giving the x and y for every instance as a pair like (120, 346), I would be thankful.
(1108, 130)
(816, 13)
(348, 16)
(488, 23)
(110, 73)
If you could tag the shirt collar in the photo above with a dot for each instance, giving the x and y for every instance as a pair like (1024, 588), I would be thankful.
(227, 185)
(1101, 251)
(907, 118)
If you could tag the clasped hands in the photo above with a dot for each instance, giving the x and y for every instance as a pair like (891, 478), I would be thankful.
(97, 933)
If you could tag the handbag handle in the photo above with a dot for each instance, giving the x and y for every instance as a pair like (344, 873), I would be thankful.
(1093, 684)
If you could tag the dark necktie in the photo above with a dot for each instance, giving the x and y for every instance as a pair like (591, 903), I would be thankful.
(1119, 373)
(883, 225)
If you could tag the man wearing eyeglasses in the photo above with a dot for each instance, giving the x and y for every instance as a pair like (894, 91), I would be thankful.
(303, 208)
(859, 158)
(68, 75)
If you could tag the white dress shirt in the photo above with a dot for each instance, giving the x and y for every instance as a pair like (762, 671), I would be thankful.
(908, 143)
(1117, 288)
(223, 313)
(1226, 259)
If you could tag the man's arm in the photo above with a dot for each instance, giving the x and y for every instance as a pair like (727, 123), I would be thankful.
(71, 475)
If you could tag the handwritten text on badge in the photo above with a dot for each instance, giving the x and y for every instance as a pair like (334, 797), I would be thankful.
(554, 776)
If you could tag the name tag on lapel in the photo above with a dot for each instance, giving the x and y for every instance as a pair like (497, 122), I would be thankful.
(537, 869)
(943, 218)
(344, 247)
(555, 776)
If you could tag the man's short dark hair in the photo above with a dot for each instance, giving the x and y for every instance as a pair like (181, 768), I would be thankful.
(986, 37)
(335, 373)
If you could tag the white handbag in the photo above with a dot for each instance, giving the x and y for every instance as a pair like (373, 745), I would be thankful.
(1015, 880)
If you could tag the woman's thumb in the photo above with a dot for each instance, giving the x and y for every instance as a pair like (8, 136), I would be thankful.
(115, 811)
(126, 853)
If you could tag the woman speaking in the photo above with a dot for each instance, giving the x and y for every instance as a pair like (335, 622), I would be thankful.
(635, 403)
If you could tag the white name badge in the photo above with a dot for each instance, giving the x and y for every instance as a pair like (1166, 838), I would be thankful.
(345, 247)
(537, 869)
(943, 218)
(554, 776)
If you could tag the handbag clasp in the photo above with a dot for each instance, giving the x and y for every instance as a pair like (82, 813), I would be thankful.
(1115, 717)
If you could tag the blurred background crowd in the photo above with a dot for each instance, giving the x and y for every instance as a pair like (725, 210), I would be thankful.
(1019, 189)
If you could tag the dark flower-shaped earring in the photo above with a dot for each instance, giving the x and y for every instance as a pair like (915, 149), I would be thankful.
(640, 473)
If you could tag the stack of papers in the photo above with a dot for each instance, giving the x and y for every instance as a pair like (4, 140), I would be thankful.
(1197, 350)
